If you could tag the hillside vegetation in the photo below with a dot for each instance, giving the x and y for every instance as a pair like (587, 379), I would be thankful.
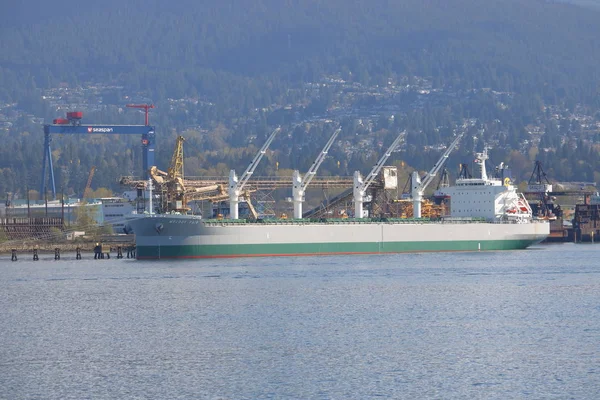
(241, 56)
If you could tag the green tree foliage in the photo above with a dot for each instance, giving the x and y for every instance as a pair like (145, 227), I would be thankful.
(244, 55)
(237, 59)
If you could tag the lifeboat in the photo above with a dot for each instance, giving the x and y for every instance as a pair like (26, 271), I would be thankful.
(523, 207)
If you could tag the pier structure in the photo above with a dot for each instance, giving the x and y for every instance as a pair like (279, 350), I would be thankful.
(30, 228)
(586, 223)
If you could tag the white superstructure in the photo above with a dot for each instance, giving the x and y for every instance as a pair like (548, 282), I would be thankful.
(115, 211)
(487, 198)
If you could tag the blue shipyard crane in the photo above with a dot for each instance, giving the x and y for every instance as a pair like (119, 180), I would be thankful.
(236, 186)
(299, 184)
(418, 186)
(72, 126)
(360, 186)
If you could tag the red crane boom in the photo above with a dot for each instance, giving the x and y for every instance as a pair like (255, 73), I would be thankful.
(145, 107)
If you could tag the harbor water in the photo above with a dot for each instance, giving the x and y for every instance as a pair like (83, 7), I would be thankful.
(480, 325)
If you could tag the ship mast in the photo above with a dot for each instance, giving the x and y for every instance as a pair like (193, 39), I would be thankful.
(481, 157)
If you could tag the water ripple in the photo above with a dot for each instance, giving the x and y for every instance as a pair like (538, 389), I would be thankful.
(489, 325)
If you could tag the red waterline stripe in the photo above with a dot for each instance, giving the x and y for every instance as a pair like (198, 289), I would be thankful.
(263, 255)
(308, 254)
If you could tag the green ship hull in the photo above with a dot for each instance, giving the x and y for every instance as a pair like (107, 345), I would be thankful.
(307, 249)
(172, 237)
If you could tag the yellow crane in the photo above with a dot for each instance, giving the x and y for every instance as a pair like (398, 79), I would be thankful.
(176, 167)
(175, 193)
(251, 209)
(89, 182)
(176, 199)
(170, 183)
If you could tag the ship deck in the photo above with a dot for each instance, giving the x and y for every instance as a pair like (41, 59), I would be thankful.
(321, 221)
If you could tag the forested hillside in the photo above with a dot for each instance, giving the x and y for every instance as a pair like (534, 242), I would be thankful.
(207, 48)
(234, 58)
(585, 3)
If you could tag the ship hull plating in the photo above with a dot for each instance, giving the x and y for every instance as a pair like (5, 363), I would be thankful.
(169, 237)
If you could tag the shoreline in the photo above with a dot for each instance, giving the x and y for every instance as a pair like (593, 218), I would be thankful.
(45, 247)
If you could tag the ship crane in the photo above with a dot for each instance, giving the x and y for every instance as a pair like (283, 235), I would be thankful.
(236, 186)
(418, 186)
(299, 184)
(360, 186)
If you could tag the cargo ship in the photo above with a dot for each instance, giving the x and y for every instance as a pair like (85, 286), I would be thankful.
(485, 214)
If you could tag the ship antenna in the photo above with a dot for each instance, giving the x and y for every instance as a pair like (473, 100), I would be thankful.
(481, 157)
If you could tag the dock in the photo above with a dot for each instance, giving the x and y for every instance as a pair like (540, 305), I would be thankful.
(51, 247)
(586, 223)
